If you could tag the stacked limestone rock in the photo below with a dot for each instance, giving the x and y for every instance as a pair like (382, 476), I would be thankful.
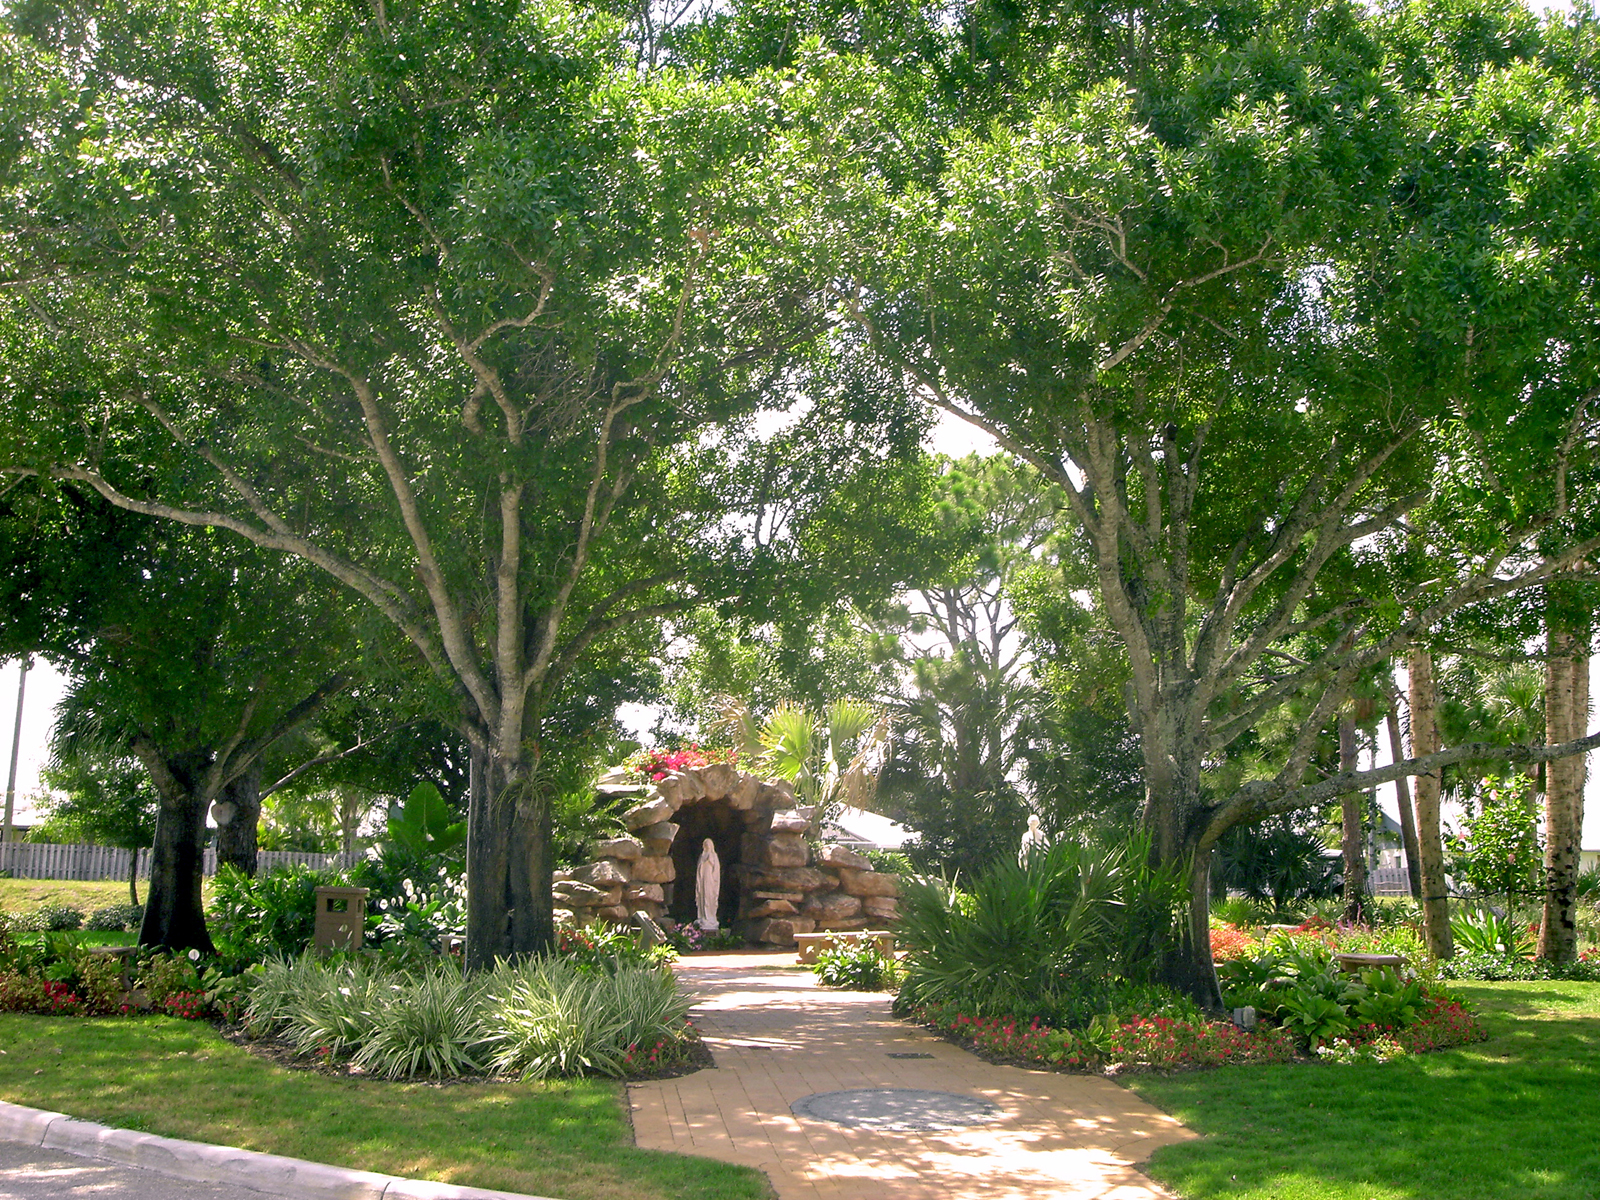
(783, 892)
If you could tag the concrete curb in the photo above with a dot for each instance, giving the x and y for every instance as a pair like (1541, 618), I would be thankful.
(271, 1173)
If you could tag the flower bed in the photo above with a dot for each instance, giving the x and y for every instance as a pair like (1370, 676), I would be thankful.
(1170, 1044)
(655, 765)
(1152, 1043)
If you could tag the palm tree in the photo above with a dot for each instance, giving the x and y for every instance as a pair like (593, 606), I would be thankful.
(832, 760)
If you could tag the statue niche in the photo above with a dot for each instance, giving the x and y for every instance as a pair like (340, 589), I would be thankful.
(724, 826)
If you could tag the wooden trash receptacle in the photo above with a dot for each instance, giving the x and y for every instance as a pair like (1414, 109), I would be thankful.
(341, 918)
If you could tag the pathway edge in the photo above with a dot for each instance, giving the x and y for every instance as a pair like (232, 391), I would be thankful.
(202, 1162)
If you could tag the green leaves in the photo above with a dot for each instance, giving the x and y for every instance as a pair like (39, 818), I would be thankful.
(423, 828)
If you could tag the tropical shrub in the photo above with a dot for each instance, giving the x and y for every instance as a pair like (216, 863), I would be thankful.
(861, 967)
(551, 1016)
(1043, 938)
(1485, 932)
(271, 914)
(47, 918)
(115, 918)
(1239, 911)
(431, 1024)
(889, 862)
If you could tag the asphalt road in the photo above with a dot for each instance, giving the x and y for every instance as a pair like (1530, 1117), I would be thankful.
(28, 1173)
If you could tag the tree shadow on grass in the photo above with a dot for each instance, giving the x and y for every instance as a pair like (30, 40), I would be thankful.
(1511, 1119)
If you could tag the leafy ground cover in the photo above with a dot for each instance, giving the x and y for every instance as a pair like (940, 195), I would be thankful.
(565, 1138)
(1511, 1117)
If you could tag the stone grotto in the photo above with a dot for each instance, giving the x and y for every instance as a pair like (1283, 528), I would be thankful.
(775, 884)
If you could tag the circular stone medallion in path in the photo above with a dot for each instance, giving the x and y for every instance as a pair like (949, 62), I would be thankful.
(906, 1109)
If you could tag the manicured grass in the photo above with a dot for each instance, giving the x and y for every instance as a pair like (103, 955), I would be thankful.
(85, 895)
(181, 1079)
(1513, 1118)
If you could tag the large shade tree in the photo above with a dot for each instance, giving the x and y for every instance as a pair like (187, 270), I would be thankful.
(188, 653)
(1293, 303)
(439, 298)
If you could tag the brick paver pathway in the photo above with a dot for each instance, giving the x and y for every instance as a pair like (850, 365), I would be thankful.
(777, 1037)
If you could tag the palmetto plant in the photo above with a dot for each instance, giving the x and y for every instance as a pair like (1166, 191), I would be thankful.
(832, 759)
(1027, 939)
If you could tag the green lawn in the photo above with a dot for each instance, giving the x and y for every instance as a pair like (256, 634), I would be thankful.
(1513, 1118)
(25, 895)
(178, 1078)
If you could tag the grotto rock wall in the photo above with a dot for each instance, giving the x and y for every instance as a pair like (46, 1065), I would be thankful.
(782, 886)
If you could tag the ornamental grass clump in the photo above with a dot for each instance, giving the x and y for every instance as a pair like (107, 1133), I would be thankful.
(318, 1007)
(434, 1026)
(551, 1017)
(547, 1017)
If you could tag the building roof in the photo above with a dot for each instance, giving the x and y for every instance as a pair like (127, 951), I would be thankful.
(857, 827)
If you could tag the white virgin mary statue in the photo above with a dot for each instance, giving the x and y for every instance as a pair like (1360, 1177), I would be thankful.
(708, 886)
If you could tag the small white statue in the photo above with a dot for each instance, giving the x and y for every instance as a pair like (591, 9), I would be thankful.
(708, 886)
(1033, 840)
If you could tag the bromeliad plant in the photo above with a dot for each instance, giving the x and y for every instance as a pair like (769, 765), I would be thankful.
(1486, 932)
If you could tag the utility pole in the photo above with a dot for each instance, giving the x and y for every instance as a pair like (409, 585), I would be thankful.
(16, 745)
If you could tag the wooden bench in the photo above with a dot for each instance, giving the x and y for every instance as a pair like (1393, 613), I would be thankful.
(809, 945)
(1354, 964)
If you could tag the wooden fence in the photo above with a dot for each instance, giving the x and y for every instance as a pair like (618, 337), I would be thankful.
(30, 860)
(1389, 881)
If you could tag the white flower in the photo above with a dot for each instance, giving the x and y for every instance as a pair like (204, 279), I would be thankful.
(194, 955)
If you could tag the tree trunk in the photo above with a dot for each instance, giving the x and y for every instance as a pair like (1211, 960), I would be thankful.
(1190, 967)
(510, 911)
(237, 836)
(133, 875)
(1352, 808)
(174, 916)
(1566, 704)
(1174, 819)
(1430, 845)
(1408, 818)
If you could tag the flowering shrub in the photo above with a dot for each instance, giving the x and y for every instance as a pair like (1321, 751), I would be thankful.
(1229, 942)
(30, 994)
(657, 764)
(1161, 1042)
(1169, 1043)
(596, 945)
(1444, 1023)
(1381, 1049)
(690, 936)
(190, 1006)
(667, 1053)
